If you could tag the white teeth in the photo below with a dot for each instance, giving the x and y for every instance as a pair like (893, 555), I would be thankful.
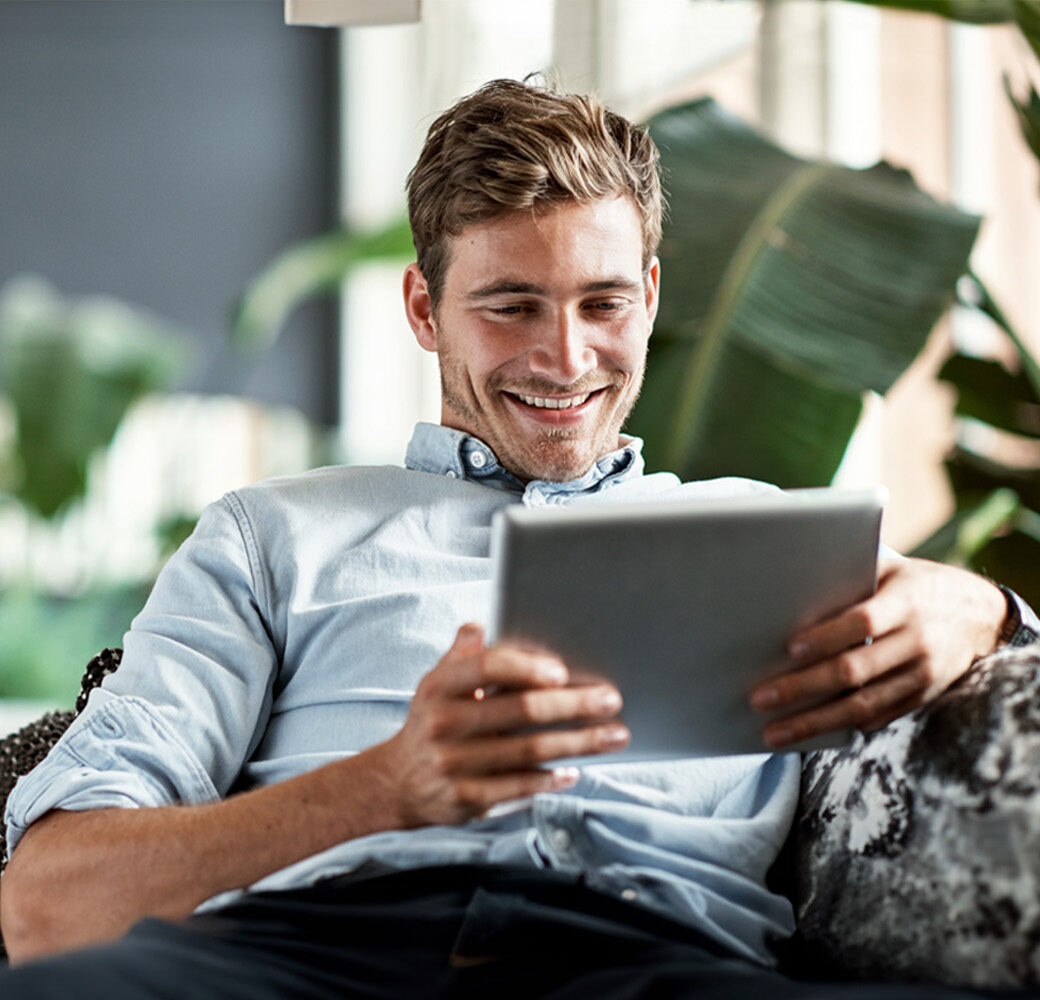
(553, 402)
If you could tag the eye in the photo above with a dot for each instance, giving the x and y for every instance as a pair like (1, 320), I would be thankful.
(607, 305)
(510, 310)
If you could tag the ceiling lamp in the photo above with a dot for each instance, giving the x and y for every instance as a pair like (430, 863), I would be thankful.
(342, 13)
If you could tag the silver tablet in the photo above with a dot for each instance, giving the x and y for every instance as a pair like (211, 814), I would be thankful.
(684, 605)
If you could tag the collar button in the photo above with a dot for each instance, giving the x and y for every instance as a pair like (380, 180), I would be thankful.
(478, 459)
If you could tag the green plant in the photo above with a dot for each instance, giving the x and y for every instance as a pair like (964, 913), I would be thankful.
(47, 639)
(1024, 14)
(994, 468)
(69, 370)
(317, 266)
(789, 288)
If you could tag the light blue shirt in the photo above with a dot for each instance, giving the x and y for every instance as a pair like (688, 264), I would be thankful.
(291, 630)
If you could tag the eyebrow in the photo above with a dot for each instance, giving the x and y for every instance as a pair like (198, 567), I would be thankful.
(612, 284)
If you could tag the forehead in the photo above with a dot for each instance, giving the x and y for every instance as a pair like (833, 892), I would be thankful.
(571, 241)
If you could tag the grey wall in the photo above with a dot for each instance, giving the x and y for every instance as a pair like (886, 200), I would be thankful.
(162, 152)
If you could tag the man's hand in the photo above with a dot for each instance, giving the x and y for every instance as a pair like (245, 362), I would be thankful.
(886, 656)
(467, 744)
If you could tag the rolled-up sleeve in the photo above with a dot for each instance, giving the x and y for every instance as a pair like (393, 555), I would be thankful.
(121, 755)
(191, 698)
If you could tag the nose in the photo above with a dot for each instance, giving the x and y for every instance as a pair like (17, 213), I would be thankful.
(563, 353)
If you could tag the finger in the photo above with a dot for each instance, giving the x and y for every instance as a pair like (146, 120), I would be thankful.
(493, 755)
(887, 565)
(515, 709)
(502, 665)
(862, 709)
(477, 795)
(851, 668)
(467, 645)
(468, 640)
(896, 711)
(870, 619)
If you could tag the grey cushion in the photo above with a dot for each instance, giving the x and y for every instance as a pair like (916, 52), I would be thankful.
(917, 849)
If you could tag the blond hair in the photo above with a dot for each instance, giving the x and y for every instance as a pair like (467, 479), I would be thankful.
(511, 146)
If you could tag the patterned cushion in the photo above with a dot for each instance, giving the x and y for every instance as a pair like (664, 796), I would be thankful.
(917, 849)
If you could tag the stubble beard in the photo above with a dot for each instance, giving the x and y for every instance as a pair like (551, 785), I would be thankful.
(546, 455)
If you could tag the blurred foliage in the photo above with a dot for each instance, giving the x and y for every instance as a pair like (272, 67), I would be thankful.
(1024, 14)
(46, 640)
(789, 288)
(69, 370)
(995, 529)
(968, 11)
(1028, 114)
(313, 267)
(172, 532)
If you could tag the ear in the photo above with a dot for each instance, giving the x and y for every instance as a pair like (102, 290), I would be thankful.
(653, 289)
(419, 308)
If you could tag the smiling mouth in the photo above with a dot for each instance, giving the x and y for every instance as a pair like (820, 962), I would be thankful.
(555, 402)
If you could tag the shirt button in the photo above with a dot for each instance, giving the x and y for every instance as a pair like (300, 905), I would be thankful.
(478, 460)
(561, 840)
(450, 474)
(629, 895)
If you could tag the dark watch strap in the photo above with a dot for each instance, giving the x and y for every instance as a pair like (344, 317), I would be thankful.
(1012, 627)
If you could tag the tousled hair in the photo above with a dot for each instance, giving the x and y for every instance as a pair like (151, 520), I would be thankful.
(511, 146)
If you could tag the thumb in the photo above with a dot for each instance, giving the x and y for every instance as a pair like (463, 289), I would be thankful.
(468, 639)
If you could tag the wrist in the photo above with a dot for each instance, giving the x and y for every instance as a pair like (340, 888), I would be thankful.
(987, 611)
(997, 618)
(383, 771)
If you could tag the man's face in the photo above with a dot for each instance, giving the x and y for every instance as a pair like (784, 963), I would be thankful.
(541, 333)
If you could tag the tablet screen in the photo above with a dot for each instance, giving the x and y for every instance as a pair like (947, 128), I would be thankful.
(684, 605)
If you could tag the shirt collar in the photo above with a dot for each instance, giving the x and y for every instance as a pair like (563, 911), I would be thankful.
(445, 451)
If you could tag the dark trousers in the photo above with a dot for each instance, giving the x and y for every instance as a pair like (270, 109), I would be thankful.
(434, 933)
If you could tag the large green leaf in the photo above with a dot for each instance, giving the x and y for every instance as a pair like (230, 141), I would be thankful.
(788, 289)
(70, 369)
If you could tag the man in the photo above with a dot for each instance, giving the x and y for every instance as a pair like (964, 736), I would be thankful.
(286, 718)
